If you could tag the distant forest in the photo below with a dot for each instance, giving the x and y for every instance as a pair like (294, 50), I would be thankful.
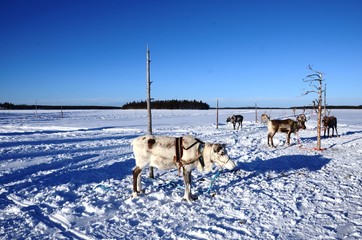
(10, 106)
(332, 107)
(168, 104)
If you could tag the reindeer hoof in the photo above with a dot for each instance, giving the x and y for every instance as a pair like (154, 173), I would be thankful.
(191, 198)
(135, 194)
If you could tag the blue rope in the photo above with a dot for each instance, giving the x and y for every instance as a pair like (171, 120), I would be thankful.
(172, 184)
(213, 180)
(105, 188)
(167, 184)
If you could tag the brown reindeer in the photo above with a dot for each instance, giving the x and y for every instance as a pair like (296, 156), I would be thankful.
(328, 123)
(287, 126)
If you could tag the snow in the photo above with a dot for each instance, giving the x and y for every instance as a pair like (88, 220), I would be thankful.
(71, 177)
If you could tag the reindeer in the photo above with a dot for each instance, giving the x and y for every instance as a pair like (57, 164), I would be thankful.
(328, 123)
(236, 119)
(183, 153)
(287, 126)
(264, 118)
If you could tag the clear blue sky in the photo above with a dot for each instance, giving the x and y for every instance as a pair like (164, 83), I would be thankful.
(67, 52)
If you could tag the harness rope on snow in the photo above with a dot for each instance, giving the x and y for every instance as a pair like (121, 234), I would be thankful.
(213, 180)
(174, 184)
(103, 187)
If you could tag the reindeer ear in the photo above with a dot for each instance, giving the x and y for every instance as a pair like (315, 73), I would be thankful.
(217, 147)
(214, 147)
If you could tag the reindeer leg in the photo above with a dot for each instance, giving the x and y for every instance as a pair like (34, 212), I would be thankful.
(151, 174)
(336, 132)
(288, 137)
(187, 179)
(137, 186)
(270, 137)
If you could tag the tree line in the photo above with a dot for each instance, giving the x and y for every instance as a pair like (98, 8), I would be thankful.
(168, 104)
(331, 107)
(171, 104)
(10, 106)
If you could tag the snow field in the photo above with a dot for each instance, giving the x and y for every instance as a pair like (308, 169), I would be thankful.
(71, 177)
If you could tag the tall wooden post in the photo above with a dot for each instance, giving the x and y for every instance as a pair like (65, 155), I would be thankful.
(325, 99)
(36, 108)
(148, 79)
(217, 113)
(256, 113)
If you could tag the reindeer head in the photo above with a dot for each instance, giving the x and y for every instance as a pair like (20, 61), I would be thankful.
(265, 118)
(220, 157)
(301, 119)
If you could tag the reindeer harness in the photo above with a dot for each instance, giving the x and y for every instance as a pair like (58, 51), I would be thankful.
(179, 147)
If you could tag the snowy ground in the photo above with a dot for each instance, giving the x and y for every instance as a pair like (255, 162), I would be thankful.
(70, 177)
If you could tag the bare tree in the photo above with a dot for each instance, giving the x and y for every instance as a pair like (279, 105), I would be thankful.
(315, 81)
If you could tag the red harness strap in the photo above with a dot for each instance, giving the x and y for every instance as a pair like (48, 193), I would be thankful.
(179, 147)
(179, 153)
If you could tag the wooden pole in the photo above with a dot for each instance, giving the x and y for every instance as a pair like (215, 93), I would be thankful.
(217, 113)
(256, 113)
(325, 99)
(148, 79)
(36, 108)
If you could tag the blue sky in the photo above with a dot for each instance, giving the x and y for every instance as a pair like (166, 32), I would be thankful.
(64, 52)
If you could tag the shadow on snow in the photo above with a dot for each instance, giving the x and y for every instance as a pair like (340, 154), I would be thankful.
(286, 163)
(284, 166)
(69, 171)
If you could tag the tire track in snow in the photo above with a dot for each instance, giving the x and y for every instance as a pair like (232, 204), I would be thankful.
(55, 221)
(66, 157)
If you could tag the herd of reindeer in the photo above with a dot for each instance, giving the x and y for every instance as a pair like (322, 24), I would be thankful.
(287, 126)
(187, 152)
